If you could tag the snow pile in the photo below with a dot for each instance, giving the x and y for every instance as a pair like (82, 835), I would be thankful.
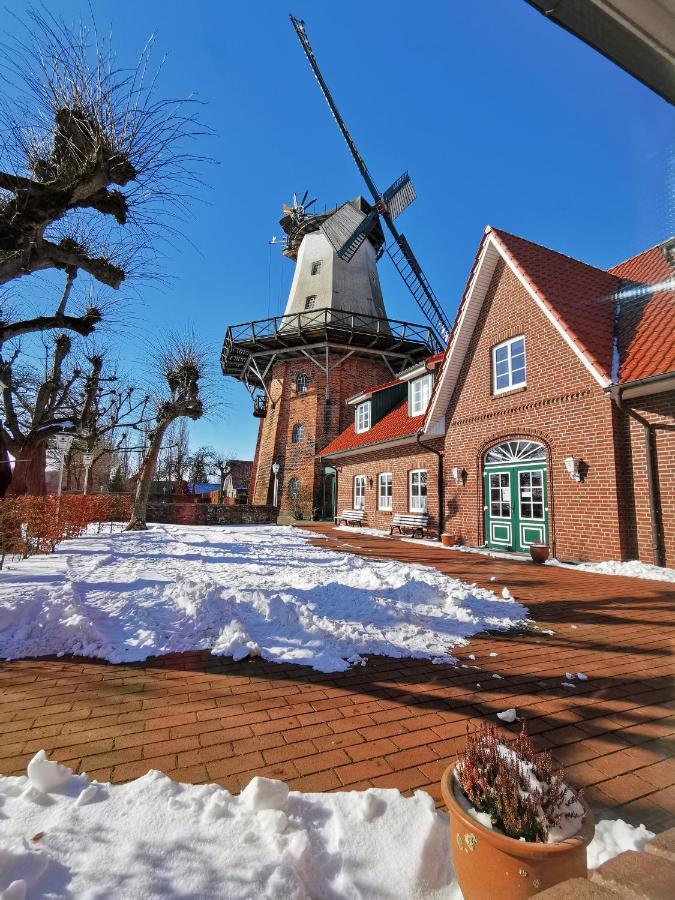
(238, 592)
(613, 837)
(155, 838)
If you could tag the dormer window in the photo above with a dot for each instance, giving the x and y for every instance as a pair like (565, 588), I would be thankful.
(363, 417)
(420, 394)
(316, 266)
(310, 302)
(508, 365)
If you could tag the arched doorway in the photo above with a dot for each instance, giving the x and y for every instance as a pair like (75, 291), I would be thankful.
(515, 496)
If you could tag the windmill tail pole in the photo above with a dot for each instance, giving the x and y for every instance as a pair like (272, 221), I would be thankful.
(299, 27)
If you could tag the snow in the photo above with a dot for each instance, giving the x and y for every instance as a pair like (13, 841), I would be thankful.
(156, 838)
(631, 569)
(613, 837)
(509, 715)
(237, 591)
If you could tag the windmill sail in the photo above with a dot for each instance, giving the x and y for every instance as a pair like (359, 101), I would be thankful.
(399, 196)
(390, 205)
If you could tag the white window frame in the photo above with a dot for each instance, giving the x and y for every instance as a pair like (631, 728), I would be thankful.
(310, 302)
(509, 359)
(362, 417)
(385, 501)
(418, 405)
(316, 266)
(420, 505)
(301, 379)
(359, 495)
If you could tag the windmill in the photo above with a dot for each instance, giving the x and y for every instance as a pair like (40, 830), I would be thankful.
(348, 228)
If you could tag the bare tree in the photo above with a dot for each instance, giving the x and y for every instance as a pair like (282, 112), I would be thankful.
(183, 364)
(93, 166)
(220, 464)
(84, 142)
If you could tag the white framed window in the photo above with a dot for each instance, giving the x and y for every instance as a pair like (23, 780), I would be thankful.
(384, 491)
(359, 492)
(301, 383)
(362, 417)
(420, 394)
(316, 266)
(508, 365)
(417, 500)
(296, 434)
(310, 302)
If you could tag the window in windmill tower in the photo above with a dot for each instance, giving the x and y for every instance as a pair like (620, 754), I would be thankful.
(310, 302)
(316, 266)
(294, 488)
(301, 383)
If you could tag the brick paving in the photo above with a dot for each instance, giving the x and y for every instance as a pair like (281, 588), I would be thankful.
(393, 723)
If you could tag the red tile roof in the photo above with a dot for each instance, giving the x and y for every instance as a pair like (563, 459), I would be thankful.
(395, 424)
(580, 296)
(647, 317)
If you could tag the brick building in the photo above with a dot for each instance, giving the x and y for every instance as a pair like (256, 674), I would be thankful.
(553, 412)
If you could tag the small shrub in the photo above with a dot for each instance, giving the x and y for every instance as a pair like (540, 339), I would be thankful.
(516, 786)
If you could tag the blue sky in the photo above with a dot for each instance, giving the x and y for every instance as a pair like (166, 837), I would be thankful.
(499, 116)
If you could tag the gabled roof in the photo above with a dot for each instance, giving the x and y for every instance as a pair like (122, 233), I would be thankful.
(647, 314)
(395, 425)
(580, 300)
(579, 296)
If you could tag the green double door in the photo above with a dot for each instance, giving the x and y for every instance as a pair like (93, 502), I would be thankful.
(516, 506)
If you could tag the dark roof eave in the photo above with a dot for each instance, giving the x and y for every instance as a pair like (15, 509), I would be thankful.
(642, 387)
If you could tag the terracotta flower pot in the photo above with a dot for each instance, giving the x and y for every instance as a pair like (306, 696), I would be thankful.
(540, 552)
(489, 864)
(449, 540)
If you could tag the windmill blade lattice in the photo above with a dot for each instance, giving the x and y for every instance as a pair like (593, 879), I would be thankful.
(389, 205)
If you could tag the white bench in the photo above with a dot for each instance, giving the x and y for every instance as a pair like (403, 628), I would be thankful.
(350, 517)
(412, 522)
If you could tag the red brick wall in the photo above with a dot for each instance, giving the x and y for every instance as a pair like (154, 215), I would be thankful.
(321, 422)
(657, 410)
(399, 461)
(562, 406)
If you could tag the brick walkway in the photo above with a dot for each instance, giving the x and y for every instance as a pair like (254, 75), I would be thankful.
(395, 722)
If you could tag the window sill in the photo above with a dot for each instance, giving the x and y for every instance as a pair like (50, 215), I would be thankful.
(513, 390)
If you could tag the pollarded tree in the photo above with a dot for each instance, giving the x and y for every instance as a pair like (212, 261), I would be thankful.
(43, 398)
(84, 143)
(183, 365)
(93, 166)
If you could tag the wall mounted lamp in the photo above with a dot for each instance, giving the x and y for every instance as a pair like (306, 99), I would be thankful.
(572, 464)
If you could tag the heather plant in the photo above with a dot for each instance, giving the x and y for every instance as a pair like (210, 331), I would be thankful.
(516, 786)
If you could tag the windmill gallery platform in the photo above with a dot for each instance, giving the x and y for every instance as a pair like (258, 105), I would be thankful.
(393, 723)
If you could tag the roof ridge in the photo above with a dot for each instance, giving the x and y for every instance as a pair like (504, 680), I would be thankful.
(641, 253)
(573, 259)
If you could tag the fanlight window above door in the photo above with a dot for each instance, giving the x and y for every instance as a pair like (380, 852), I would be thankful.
(515, 452)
